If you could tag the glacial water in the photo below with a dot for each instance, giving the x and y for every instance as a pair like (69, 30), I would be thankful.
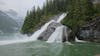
(40, 48)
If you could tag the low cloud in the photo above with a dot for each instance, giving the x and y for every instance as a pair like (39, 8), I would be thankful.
(2, 3)
(20, 6)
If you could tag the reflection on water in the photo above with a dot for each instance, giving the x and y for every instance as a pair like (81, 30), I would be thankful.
(49, 49)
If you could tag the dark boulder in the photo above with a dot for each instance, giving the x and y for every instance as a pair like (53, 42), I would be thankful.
(90, 31)
(52, 28)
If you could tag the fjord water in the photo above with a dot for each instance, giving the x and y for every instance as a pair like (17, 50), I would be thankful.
(22, 45)
(49, 49)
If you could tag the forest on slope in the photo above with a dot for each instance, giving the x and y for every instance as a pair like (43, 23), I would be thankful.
(79, 13)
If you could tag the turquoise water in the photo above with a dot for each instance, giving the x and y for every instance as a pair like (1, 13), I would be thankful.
(40, 48)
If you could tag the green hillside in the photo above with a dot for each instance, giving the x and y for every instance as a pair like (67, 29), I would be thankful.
(79, 12)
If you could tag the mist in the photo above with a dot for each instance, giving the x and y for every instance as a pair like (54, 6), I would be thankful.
(20, 6)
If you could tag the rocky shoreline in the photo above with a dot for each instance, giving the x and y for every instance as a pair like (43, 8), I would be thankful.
(90, 31)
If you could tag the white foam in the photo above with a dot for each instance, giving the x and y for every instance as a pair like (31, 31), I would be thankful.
(77, 40)
(43, 28)
(57, 35)
(61, 17)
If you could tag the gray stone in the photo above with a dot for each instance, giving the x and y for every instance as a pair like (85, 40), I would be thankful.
(90, 31)
(51, 28)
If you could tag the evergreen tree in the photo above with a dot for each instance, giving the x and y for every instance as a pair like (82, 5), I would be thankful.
(79, 12)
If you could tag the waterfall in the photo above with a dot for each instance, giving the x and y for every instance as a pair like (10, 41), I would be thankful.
(59, 32)
(61, 17)
(57, 35)
(43, 28)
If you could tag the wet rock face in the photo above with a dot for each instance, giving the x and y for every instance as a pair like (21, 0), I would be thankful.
(51, 28)
(95, 1)
(67, 35)
(91, 31)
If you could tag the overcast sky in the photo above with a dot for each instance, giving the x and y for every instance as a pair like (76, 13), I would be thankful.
(20, 6)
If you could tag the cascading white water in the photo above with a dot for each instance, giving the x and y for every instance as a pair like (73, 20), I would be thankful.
(18, 38)
(43, 28)
(57, 35)
(37, 33)
(61, 17)
(26, 38)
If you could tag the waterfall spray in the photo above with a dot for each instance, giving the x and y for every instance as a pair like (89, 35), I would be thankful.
(57, 34)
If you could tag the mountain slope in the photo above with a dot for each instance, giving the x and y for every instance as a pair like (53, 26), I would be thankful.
(14, 15)
(7, 24)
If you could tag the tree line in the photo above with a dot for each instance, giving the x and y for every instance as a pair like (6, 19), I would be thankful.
(38, 16)
(79, 12)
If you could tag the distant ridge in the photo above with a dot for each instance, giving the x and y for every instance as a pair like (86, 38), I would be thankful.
(7, 24)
